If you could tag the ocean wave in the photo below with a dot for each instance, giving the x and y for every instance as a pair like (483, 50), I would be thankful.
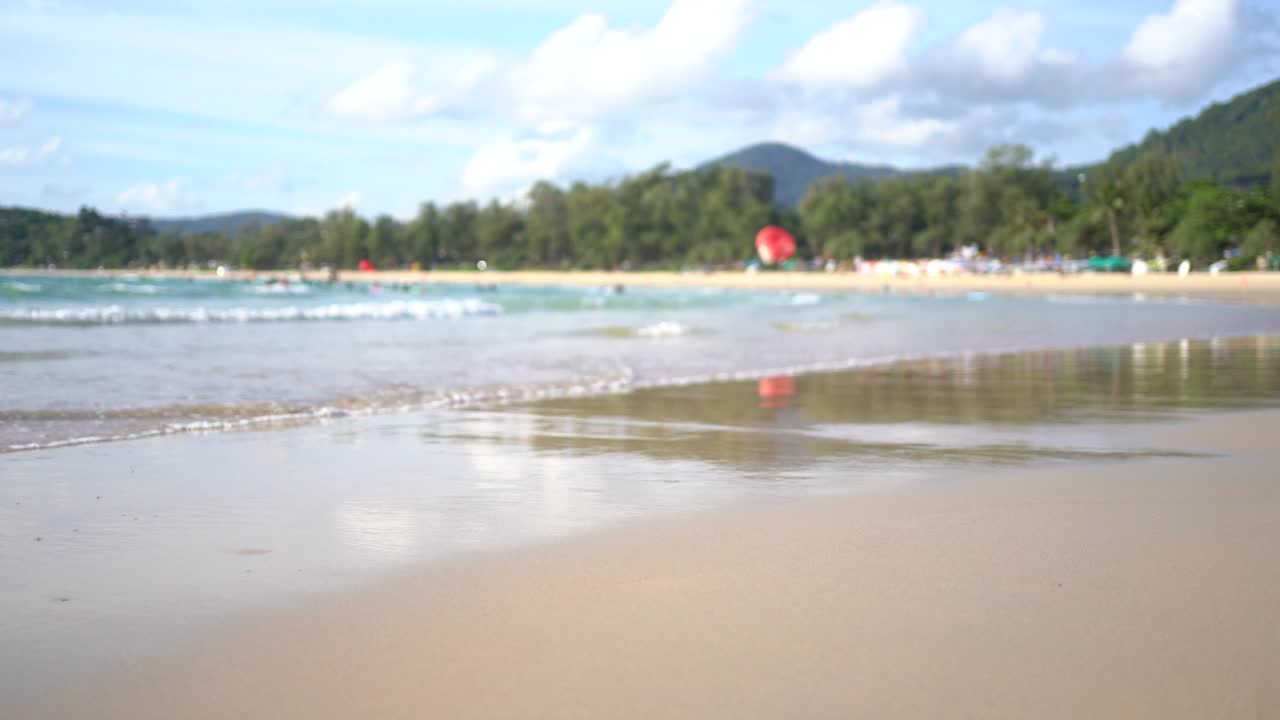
(130, 288)
(808, 326)
(280, 289)
(229, 418)
(119, 314)
(664, 329)
(194, 426)
(251, 417)
(22, 287)
(34, 355)
(187, 419)
(804, 299)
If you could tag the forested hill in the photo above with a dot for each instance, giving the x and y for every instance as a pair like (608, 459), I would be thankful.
(1232, 142)
(230, 224)
(795, 170)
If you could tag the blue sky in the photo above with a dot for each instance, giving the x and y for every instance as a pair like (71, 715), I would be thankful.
(184, 107)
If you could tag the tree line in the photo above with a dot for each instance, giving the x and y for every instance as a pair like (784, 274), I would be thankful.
(1011, 205)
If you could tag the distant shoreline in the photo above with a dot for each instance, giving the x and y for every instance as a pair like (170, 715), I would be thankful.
(1238, 287)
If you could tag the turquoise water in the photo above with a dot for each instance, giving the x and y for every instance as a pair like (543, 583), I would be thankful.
(97, 358)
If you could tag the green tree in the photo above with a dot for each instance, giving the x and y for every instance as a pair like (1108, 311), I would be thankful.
(383, 242)
(547, 226)
(497, 231)
(1275, 180)
(1208, 224)
(1151, 184)
(457, 234)
(1106, 200)
(424, 235)
(1263, 240)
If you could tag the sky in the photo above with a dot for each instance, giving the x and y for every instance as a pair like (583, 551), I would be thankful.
(190, 107)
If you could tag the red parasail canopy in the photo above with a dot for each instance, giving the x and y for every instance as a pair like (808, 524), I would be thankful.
(366, 266)
(775, 245)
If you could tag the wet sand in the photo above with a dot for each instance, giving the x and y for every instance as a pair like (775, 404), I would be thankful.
(1246, 287)
(1136, 589)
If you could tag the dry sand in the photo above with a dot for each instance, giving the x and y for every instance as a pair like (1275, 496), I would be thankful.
(1125, 590)
(1248, 287)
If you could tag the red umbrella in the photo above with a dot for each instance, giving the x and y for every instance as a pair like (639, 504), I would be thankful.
(775, 245)
(366, 266)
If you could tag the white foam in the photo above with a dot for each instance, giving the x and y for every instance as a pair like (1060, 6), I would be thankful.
(802, 299)
(197, 426)
(23, 287)
(666, 328)
(131, 288)
(119, 314)
(810, 325)
(281, 289)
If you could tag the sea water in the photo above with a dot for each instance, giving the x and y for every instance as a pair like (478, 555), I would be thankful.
(90, 359)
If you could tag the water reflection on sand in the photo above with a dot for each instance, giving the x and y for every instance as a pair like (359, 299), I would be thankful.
(973, 408)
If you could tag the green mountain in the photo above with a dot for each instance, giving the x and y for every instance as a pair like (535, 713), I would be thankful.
(794, 170)
(1233, 142)
(231, 224)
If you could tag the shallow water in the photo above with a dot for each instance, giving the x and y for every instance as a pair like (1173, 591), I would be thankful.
(97, 358)
(113, 552)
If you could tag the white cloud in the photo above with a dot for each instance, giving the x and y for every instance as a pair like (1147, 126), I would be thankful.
(12, 112)
(165, 197)
(25, 155)
(398, 91)
(581, 72)
(883, 125)
(993, 81)
(1005, 46)
(858, 53)
(1180, 53)
(882, 121)
(589, 69)
(510, 165)
(167, 57)
(384, 95)
(1002, 59)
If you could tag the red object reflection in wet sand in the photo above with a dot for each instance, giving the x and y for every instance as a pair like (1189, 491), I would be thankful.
(776, 391)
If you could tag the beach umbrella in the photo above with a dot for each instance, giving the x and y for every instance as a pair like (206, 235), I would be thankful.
(775, 245)
(366, 266)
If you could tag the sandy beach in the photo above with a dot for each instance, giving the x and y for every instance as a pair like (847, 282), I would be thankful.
(1124, 590)
(1246, 287)
(640, 361)
(995, 507)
